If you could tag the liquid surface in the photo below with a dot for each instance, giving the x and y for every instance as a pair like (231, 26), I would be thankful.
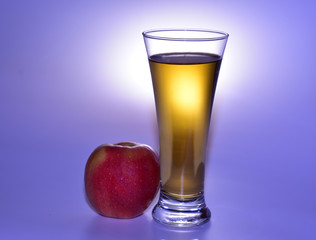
(184, 86)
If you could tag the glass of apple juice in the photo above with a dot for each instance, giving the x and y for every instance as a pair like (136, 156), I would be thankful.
(184, 65)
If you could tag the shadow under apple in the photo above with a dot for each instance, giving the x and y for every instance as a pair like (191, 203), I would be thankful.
(111, 228)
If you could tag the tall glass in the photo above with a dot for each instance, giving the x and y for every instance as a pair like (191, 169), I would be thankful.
(184, 66)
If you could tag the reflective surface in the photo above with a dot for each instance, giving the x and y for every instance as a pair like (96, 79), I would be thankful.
(63, 92)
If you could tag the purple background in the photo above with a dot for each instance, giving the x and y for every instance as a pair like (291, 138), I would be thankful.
(74, 75)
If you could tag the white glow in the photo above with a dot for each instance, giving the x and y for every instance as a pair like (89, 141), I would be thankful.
(124, 57)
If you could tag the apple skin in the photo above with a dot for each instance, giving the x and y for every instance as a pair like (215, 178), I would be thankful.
(122, 179)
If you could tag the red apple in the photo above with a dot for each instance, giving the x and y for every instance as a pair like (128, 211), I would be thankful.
(122, 179)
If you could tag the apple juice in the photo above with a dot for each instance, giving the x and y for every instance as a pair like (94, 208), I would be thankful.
(184, 87)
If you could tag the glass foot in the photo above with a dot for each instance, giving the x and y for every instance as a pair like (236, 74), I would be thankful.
(181, 213)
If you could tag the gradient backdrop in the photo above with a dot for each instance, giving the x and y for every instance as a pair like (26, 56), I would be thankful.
(74, 75)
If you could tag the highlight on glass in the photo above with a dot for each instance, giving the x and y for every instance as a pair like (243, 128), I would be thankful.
(184, 65)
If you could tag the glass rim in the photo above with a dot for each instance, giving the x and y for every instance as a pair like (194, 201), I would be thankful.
(153, 34)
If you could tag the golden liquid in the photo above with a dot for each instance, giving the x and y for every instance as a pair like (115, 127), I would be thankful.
(184, 86)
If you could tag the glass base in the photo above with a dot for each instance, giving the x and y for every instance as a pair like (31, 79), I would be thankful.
(181, 213)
